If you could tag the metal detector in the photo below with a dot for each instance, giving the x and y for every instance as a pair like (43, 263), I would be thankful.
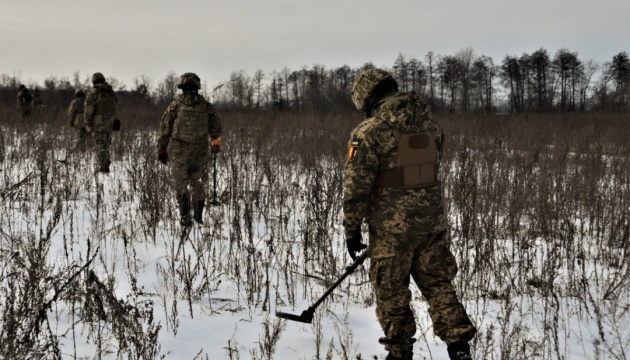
(214, 201)
(307, 315)
(74, 148)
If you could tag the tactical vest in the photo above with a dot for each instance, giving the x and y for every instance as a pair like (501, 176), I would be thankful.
(417, 162)
(106, 104)
(191, 124)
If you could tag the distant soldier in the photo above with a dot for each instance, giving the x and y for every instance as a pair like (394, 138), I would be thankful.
(188, 121)
(391, 181)
(24, 102)
(37, 100)
(75, 114)
(99, 117)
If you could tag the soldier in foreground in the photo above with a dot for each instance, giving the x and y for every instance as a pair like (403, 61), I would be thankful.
(188, 121)
(24, 102)
(391, 181)
(75, 114)
(99, 116)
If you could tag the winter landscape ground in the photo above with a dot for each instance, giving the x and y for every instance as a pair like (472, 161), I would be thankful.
(95, 267)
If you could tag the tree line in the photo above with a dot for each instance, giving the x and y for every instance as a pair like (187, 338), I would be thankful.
(459, 83)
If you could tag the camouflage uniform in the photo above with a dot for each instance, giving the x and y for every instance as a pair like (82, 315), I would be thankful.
(407, 225)
(38, 103)
(99, 115)
(75, 114)
(188, 121)
(24, 102)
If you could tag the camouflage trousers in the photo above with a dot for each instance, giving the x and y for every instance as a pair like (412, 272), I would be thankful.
(428, 260)
(189, 167)
(80, 133)
(25, 112)
(102, 142)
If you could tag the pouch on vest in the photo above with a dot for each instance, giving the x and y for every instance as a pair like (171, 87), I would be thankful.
(417, 162)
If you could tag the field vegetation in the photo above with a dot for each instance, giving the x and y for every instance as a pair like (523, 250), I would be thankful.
(95, 266)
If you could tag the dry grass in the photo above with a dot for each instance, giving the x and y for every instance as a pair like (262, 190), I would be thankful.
(539, 207)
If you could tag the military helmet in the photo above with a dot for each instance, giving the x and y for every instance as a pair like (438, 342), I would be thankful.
(79, 93)
(98, 78)
(365, 84)
(189, 80)
(22, 87)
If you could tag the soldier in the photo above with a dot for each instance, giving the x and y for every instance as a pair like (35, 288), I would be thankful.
(38, 103)
(24, 102)
(391, 180)
(188, 121)
(99, 116)
(75, 114)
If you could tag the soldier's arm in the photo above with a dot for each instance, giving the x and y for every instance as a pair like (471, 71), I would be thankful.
(72, 112)
(88, 109)
(166, 126)
(360, 174)
(214, 123)
(433, 126)
(439, 136)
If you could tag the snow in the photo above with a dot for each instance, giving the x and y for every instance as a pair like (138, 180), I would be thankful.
(237, 274)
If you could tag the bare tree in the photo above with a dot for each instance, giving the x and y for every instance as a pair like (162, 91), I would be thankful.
(166, 90)
(259, 76)
(567, 65)
(482, 76)
(541, 66)
(431, 60)
(465, 59)
(512, 75)
(620, 73)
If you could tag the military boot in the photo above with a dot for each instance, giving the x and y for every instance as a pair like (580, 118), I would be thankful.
(184, 211)
(459, 351)
(199, 211)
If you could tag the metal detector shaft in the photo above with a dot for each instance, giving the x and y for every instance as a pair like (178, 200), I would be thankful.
(307, 315)
(349, 270)
(75, 148)
(214, 181)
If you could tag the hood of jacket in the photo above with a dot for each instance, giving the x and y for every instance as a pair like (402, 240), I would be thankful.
(403, 111)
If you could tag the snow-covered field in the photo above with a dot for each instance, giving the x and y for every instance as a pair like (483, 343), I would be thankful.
(96, 266)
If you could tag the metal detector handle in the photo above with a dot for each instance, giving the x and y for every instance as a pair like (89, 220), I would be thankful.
(214, 201)
(349, 270)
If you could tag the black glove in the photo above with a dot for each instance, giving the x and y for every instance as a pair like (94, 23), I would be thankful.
(163, 156)
(354, 244)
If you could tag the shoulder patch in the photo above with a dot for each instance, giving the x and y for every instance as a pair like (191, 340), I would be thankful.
(353, 148)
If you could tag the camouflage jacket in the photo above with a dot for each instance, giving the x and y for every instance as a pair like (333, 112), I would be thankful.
(100, 101)
(190, 118)
(372, 149)
(75, 113)
(24, 100)
(37, 100)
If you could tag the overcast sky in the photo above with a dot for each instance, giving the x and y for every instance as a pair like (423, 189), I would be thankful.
(213, 38)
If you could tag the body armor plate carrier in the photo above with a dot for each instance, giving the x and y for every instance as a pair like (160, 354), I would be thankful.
(417, 162)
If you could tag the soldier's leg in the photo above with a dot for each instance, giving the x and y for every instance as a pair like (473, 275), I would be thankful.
(199, 177)
(106, 151)
(433, 270)
(390, 278)
(180, 169)
(80, 134)
(101, 145)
